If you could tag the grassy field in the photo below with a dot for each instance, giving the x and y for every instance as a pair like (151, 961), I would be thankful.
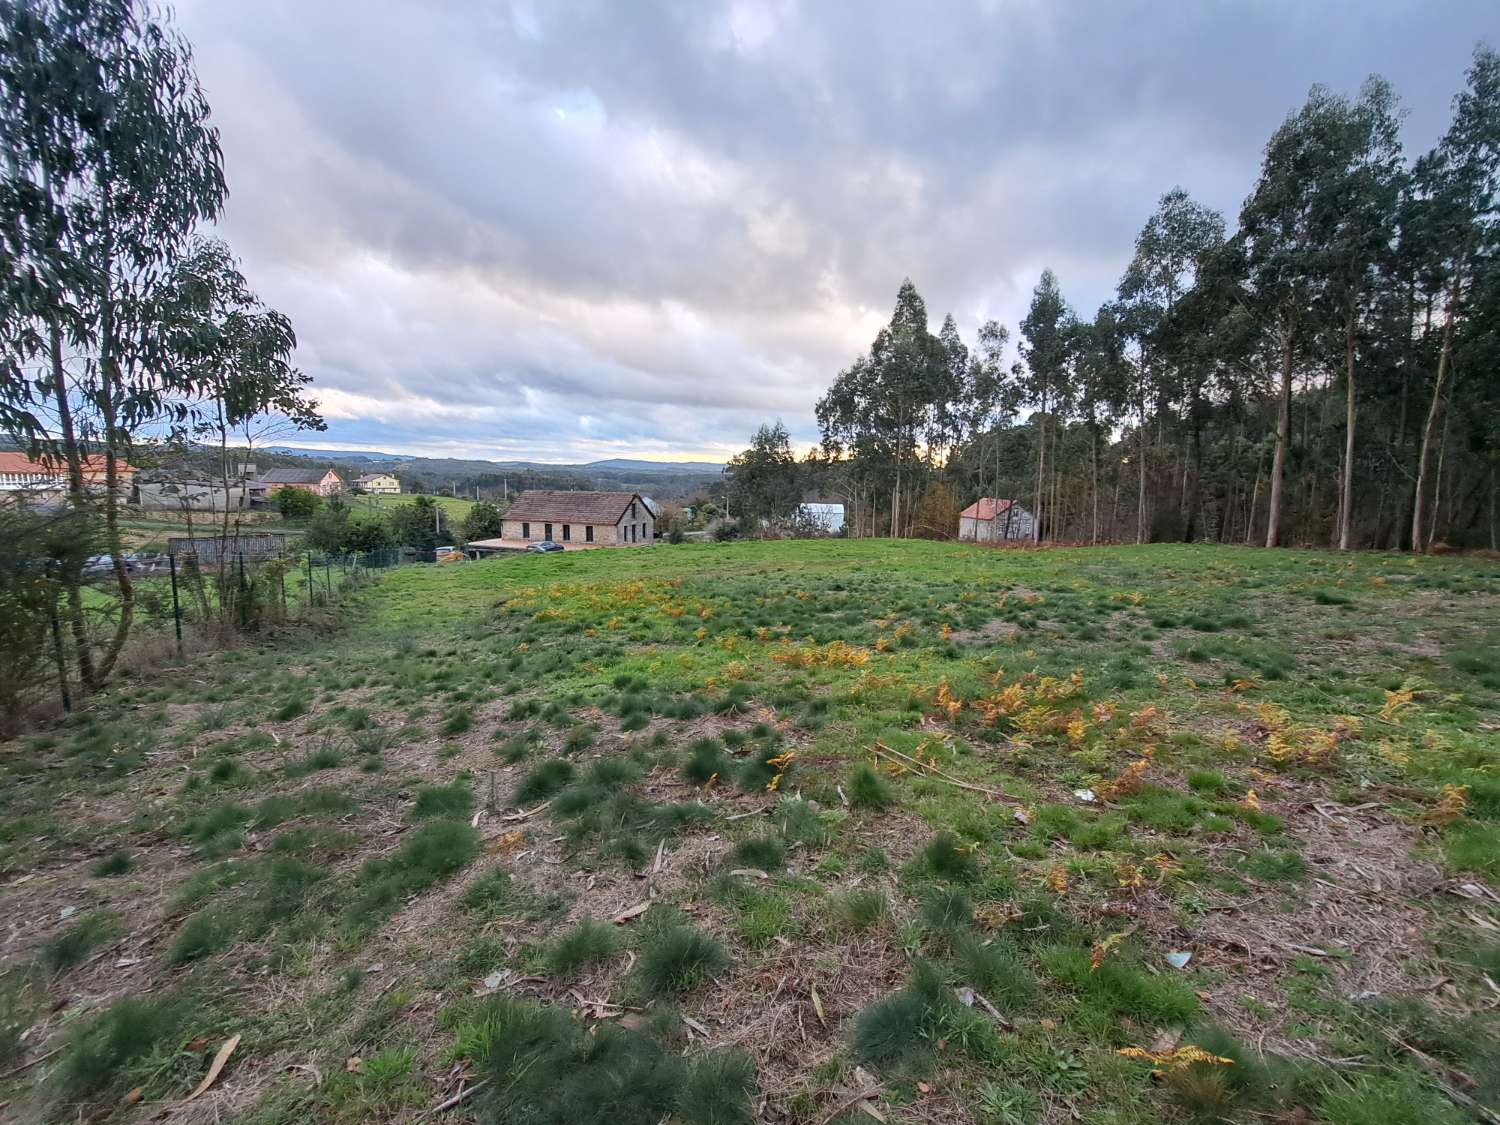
(815, 832)
(453, 507)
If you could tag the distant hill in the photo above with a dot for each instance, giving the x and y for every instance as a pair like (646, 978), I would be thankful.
(626, 465)
(467, 464)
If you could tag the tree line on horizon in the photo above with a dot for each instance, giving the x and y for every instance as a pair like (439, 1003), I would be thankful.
(1324, 373)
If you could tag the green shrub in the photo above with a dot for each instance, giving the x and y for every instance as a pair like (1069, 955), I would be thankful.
(900, 1029)
(947, 909)
(719, 1089)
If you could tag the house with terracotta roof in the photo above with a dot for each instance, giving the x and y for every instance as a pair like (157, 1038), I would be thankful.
(574, 520)
(19, 472)
(988, 520)
(325, 482)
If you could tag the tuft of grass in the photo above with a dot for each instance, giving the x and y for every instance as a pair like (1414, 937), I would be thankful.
(73, 946)
(323, 758)
(947, 909)
(1267, 864)
(860, 908)
(765, 852)
(899, 1030)
(997, 971)
(706, 760)
(1120, 987)
(459, 721)
(718, 1089)
(116, 863)
(677, 958)
(867, 789)
(945, 858)
(455, 799)
(587, 943)
(100, 1051)
(544, 1068)
(429, 855)
(545, 780)
(1387, 1099)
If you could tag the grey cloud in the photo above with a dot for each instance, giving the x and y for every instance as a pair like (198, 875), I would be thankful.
(682, 218)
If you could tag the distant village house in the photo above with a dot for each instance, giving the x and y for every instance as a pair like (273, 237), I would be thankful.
(167, 492)
(988, 520)
(379, 484)
(325, 482)
(46, 478)
(574, 520)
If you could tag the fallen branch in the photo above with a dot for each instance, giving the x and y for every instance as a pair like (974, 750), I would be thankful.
(460, 1097)
(25, 1066)
(933, 771)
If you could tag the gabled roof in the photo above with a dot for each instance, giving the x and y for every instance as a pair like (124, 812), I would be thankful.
(571, 507)
(375, 476)
(294, 476)
(986, 508)
(12, 461)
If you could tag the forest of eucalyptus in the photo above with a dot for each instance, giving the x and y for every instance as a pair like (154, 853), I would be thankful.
(1324, 374)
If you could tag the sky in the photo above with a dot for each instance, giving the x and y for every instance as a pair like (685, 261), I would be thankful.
(568, 231)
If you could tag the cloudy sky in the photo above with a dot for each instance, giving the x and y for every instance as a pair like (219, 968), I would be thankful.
(575, 230)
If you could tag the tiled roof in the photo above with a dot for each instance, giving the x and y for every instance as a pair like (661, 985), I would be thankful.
(16, 462)
(570, 507)
(293, 476)
(985, 508)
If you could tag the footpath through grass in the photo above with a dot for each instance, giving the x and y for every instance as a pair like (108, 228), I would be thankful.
(806, 831)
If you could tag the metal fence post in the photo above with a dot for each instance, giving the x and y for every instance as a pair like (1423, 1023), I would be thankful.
(176, 605)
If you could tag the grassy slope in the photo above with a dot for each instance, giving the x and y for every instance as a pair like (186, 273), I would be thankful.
(1271, 734)
(455, 507)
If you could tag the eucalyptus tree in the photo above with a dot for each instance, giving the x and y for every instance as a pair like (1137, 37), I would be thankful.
(882, 406)
(1046, 332)
(231, 359)
(1456, 188)
(1169, 252)
(765, 481)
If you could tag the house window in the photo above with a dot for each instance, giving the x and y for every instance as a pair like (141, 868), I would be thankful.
(567, 532)
(525, 531)
(548, 536)
(588, 534)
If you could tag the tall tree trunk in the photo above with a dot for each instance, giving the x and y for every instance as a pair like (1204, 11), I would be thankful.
(1445, 359)
(1140, 501)
(77, 496)
(1437, 476)
(1094, 480)
(1195, 469)
(1283, 438)
(1041, 467)
(1260, 462)
(1346, 490)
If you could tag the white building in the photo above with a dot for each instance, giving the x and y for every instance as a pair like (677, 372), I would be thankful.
(988, 520)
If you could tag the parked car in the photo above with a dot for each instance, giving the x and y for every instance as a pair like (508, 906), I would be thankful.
(447, 554)
(100, 566)
(545, 546)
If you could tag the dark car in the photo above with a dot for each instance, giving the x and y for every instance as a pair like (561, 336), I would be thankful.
(545, 546)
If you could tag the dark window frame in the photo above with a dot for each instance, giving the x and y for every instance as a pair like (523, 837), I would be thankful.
(567, 533)
(547, 527)
(526, 531)
(588, 534)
